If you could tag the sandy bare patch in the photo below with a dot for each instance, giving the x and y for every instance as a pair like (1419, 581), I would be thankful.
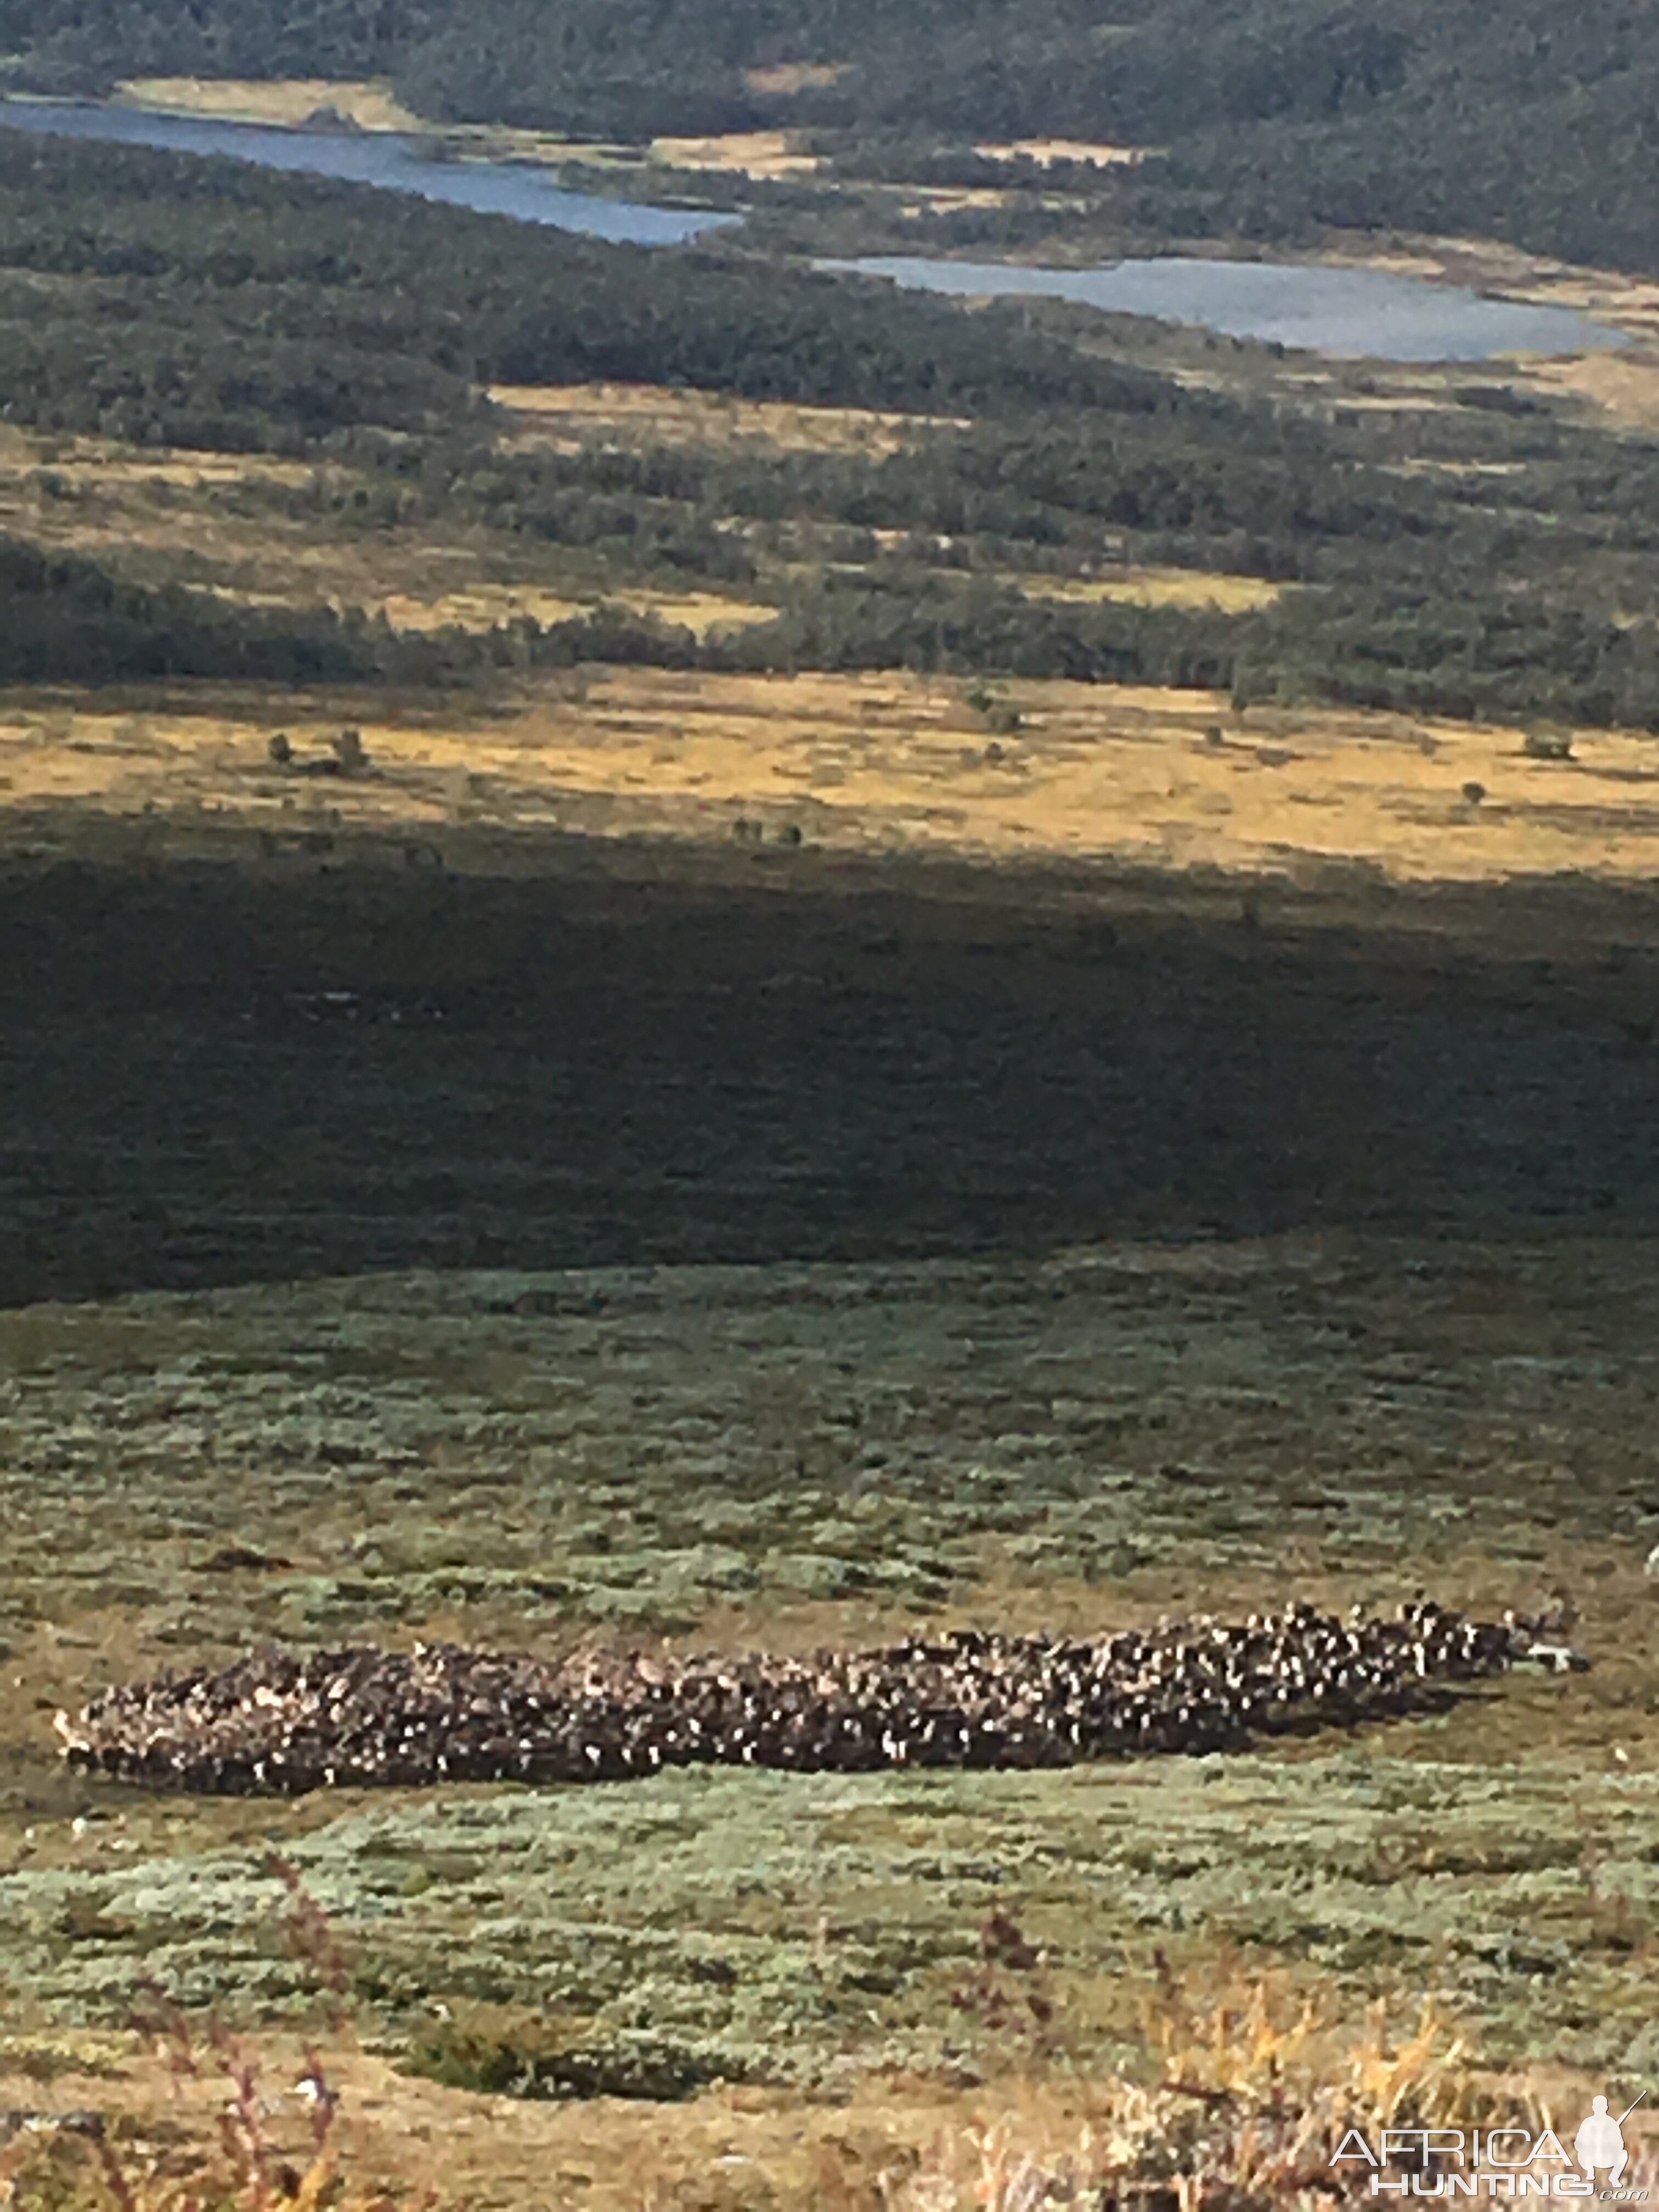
(940, 199)
(484, 606)
(1047, 151)
(789, 77)
(758, 154)
(1389, 388)
(704, 613)
(369, 103)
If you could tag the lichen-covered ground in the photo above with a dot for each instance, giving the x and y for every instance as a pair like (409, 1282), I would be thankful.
(785, 1454)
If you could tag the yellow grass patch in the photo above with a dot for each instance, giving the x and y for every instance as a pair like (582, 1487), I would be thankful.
(1426, 464)
(568, 414)
(483, 607)
(1155, 587)
(703, 613)
(1625, 387)
(413, 2136)
(99, 464)
(119, 517)
(1047, 151)
(788, 77)
(894, 761)
(913, 2142)
(488, 606)
(139, 512)
(745, 153)
(369, 103)
(1393, 389)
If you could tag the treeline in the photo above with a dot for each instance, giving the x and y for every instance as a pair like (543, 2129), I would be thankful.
(62, 617)
(617, 68)
(1468, 498)
(1517, 119)
(1493, 654)
(116, 365)
(1496, 657)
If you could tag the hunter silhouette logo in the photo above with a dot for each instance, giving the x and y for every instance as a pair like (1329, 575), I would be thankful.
(1600, 2141)
(1499, 2161)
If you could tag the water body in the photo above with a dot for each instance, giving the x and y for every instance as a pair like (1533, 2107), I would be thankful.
(508, 188)
(1354, 311)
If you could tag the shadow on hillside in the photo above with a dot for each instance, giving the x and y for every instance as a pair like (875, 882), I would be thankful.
(217, 1072)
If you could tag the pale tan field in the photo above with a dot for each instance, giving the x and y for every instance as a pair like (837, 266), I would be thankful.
(96, 465)
(1624, 387)
(890, 764)
(484, 608)
(744, 153)
(289, 103)
(568, 416)
(1389, 389)
(939, 199)
(369, 103)
(209, 520)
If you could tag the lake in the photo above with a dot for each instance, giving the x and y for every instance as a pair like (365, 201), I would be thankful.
(1356, 312)
(1359, 311)
(511, 188)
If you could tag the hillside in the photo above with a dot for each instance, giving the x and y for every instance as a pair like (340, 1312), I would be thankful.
(1021, 493)
(696, 954)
